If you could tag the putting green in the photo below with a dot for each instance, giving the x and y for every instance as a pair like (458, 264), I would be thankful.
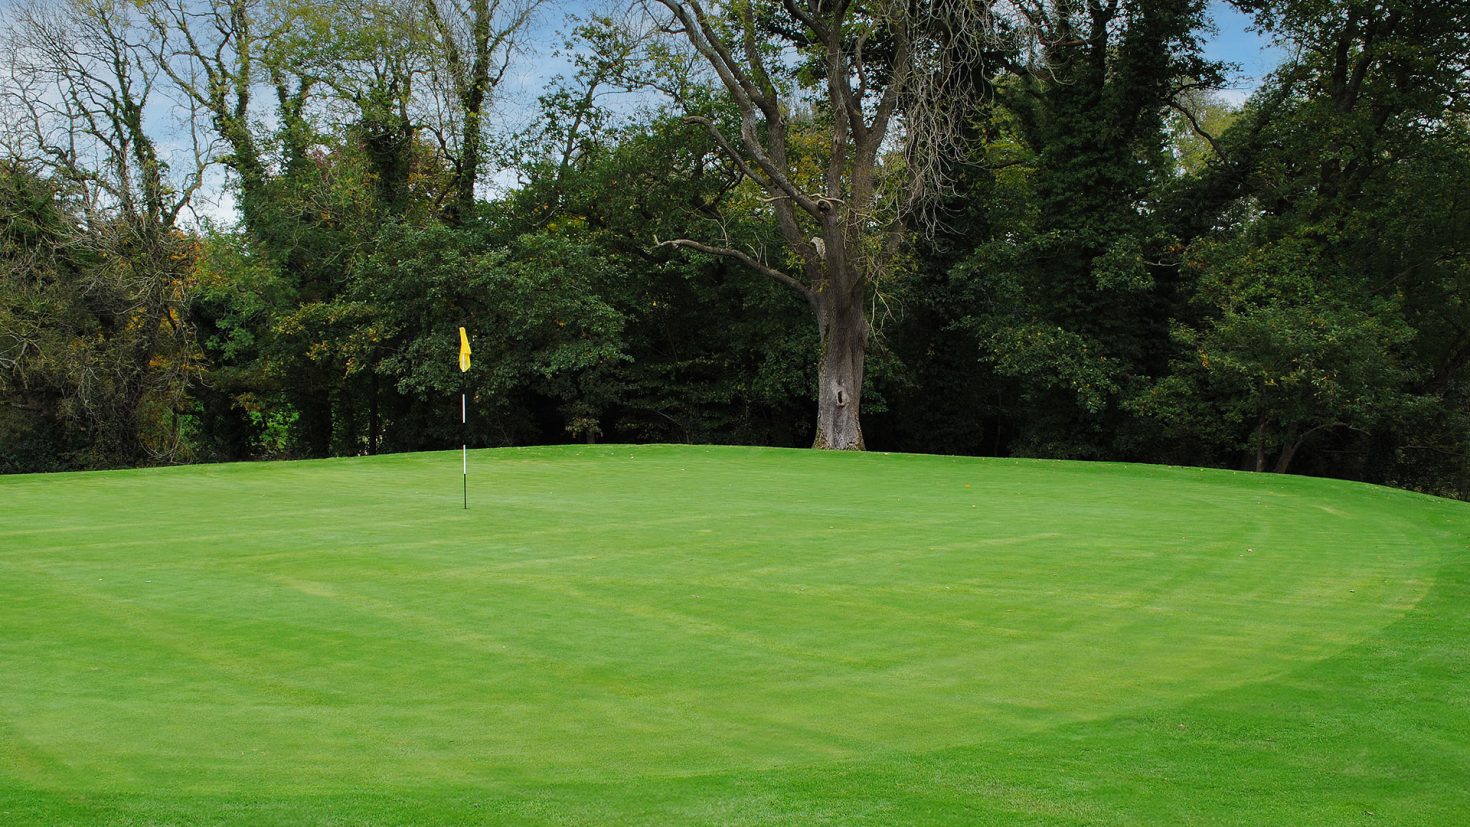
(729, 635)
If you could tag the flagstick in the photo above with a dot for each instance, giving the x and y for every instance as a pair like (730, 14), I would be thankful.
(464, 452)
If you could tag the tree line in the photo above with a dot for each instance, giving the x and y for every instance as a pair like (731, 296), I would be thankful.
(992, 227)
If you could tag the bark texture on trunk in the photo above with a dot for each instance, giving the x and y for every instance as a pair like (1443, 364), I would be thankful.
(1288, 449)
(472, 102)
(1283, 462)
(1260, 441)
(844, 331)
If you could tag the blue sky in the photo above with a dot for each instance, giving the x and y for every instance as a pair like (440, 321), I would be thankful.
(1235, 42)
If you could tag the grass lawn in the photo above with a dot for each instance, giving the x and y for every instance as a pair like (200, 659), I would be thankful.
(699, 635)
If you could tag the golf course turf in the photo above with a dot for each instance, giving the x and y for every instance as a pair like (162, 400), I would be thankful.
(704, 635)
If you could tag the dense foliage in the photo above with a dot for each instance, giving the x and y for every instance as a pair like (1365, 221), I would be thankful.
(1107, 261)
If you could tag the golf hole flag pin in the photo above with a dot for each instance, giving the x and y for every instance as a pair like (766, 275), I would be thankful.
(464, 447)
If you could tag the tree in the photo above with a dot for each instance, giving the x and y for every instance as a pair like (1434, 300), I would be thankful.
(78, 95)
(837, 184)
(540, 328)
(475, 41)
(714, 355)
(1293, 350)
(1068, 275)
(1337, 179)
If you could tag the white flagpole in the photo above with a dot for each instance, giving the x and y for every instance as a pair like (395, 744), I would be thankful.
(464, 453)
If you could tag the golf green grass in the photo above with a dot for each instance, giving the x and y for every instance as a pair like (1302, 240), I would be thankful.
(701, 635)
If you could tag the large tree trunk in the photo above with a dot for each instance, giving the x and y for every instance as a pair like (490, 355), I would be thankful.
(373, 417)
(462, 208)
(844, 330)
(1288, 451)
(1260, 442)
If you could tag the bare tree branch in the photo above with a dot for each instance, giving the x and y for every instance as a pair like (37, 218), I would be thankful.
(1199, 129)
(743, 258)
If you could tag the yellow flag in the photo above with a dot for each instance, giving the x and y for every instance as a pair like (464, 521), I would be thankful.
(464, 351)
